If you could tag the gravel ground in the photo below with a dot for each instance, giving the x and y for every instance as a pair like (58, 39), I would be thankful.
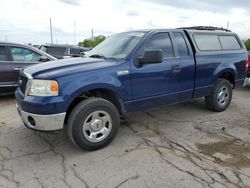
(177, 146)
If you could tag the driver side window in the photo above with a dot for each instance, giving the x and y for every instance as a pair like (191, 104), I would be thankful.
(24, 55)
(160, 41)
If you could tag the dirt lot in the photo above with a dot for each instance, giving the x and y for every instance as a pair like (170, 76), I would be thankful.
(178, 146)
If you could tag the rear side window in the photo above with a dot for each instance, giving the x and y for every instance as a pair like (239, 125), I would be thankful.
(2, 53)
(74, 50)
(229, 43)
(81, 50)
(207, 42)
(56, 51)
(181, 44)
(160, 41)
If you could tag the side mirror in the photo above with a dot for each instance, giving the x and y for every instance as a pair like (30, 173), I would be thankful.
(44, 58)
(150, 57)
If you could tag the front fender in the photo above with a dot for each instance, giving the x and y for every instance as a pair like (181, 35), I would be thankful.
(79, 86)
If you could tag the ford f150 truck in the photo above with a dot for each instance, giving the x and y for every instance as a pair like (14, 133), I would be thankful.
(128, 72)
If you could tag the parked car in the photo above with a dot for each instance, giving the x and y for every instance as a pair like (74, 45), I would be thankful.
(248, 73)
(14, 57)
(128, 72)
(62, 51)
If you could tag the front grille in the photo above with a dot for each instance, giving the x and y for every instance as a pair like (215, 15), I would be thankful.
(22, 83)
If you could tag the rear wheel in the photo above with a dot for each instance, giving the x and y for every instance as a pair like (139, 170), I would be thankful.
(221, 96)
(93, 123)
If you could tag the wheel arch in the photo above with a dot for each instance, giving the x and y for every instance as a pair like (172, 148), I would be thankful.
(109, 93)
(229, 74)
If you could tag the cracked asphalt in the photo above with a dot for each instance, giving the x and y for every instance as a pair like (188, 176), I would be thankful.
(182, 145)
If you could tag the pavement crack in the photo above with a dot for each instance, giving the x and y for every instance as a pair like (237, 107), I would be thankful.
(189, 155)
(197, 178)
(3, 169)
(29, 154)
(80, 178)
(133, 149)
(12, 179)
(167, 120)
(7, 148)
(135, 177)
(46, 140)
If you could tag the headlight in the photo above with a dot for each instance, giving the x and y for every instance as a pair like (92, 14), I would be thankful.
(43, 88)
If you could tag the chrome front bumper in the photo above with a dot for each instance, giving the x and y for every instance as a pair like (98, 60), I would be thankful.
(52, 122)
(246, 82)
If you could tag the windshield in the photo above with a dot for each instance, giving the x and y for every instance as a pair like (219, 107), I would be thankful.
(118, 46)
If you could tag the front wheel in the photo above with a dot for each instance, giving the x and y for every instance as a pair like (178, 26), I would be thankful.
(221, 96)
(93, 123)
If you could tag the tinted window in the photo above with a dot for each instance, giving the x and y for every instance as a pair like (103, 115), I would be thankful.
(74, 50)
(81, 50)
(229, 43)
(160, 41)
(24, 54)
(2, 53)
(181, 44)
(206, 42)
(56, 51)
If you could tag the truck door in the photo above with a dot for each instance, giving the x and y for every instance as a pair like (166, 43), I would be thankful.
(156, 84)
(187, 73)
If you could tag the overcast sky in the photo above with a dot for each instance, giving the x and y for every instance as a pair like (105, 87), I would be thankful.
(27, 21)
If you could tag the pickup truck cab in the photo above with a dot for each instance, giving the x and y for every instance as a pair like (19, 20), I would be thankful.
(128, 72)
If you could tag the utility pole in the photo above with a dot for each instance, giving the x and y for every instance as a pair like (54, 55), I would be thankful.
(92, 33)
(51, 36)
(6, 38)
(74, 32)
(227, 24)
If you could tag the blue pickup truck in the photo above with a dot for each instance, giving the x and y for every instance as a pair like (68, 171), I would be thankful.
(128, 72)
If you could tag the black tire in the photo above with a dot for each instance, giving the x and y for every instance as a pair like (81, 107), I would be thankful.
(214, 102)
(77, 119)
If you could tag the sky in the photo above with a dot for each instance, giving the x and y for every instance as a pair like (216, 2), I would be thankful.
(28, 21)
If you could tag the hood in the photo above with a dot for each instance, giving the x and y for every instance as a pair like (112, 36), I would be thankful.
(53, 69)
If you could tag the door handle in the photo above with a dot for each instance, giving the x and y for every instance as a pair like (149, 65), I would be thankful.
(176, 68)
(17, 69)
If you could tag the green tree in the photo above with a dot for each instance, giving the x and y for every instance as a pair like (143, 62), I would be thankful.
(92, 42)
(247, 43)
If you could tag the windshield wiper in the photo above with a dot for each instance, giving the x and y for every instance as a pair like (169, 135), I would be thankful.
(98, 56)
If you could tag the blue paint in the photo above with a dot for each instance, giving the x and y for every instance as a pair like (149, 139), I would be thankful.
(144, 87)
